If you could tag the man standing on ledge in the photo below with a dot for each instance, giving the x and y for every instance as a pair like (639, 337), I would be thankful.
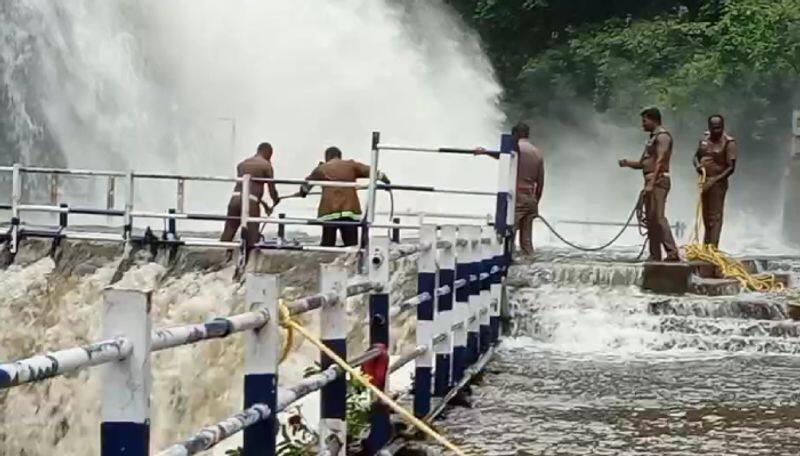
(654, 163)
(257, 166)
(530, 184)
(339, 204)
(716, 154)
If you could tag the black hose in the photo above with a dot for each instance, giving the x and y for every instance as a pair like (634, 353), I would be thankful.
(635, 212)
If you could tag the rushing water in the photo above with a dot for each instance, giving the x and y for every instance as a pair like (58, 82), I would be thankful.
(599, 368)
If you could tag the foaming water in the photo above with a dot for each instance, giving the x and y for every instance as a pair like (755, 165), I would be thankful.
(49, 305)
(598, 367)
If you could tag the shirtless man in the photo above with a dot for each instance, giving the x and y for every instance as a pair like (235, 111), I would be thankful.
(654, 163)
(716, 154)
(257, 166)
(339, 204)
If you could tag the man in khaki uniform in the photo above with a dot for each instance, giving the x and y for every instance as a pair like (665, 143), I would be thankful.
(716, 154)
(530, 186)
(339, 204)
(654, 164)
(257, 166)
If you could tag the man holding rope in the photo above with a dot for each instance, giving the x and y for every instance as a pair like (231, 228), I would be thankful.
(339, 205)
(716, 156)
(257, 166)
(654, 163)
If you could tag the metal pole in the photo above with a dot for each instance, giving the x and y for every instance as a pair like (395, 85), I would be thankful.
(496, 284)
(54, 189)
(333, 332)
(426, 283)
(63, 216)
(128, 224)
(486, 253)
(244, 197)
(379, 324)
(125, 430)
(16, 199)
(281, 228)
(461, 310)
(444, 312)
(473, 325)
(181, 196)
(373, 177)
(396, 231)
(261, 364)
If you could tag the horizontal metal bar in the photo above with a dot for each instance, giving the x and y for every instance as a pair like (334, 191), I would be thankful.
(177, 336)
(185, 177)
(439, 338)
(310, 303)
(7, 169)
(437, 215)
(53, 364)
(406, 358)
(438, 150)
(308, 248)
(360, 286)
(72, 172)
(5, 207)
(443, 290)
(409, 304)
(420, 188)
(444, 245)
(211, 435)
(484, 275)
(308, 182)
(460, 283)
(402, 251)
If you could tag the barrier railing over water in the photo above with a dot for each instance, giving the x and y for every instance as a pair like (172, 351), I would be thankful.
(460, 290)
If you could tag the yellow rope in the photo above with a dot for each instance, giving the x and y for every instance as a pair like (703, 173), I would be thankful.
(286, 320)
(289, 340)
(728, 266)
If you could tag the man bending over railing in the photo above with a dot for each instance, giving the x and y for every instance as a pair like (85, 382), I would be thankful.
(257, 166)
(339, 205)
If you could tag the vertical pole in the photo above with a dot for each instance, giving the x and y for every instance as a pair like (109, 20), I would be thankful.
(473, 322)
(373, 177)
(461, 310)
(333, 332)
(63, 216)
(508, 168)
(244, 219)
(444, 313)
(791, 214)
(54, 189)
(110, 192)
(396, 231)
(16, 200)
(281, 228)
(426, 283)
(261, 364)
(181, 196)
(172, 229)
(496, 286)
(486, 295)
(378, 256)
(128, 224)
(125, 430)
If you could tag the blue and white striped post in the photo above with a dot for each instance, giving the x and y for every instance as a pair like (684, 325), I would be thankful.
(496, 284)
(486, 295)
(473, 322)
(125, 430)
(507, 186)
(444, 312)
(461, 308)
(333, 329)
(261, 364)
(378, 257)
(426, 283)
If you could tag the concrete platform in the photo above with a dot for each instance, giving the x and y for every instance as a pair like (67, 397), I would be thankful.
(667, 278)
(715, 287)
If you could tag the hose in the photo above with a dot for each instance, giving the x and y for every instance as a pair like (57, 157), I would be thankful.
(635, 212)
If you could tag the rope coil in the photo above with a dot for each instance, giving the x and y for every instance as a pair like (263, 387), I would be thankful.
(727, 265)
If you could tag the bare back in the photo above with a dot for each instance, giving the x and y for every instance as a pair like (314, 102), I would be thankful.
(255, 166)
(530, 168)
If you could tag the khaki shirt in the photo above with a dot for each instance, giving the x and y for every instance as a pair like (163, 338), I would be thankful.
(716, 157)
(530, 169)
(338, 202)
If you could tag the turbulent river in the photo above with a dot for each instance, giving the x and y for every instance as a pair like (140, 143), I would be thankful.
(599, 367)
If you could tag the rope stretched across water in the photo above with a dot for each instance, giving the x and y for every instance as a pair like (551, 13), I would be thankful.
(636, 212)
